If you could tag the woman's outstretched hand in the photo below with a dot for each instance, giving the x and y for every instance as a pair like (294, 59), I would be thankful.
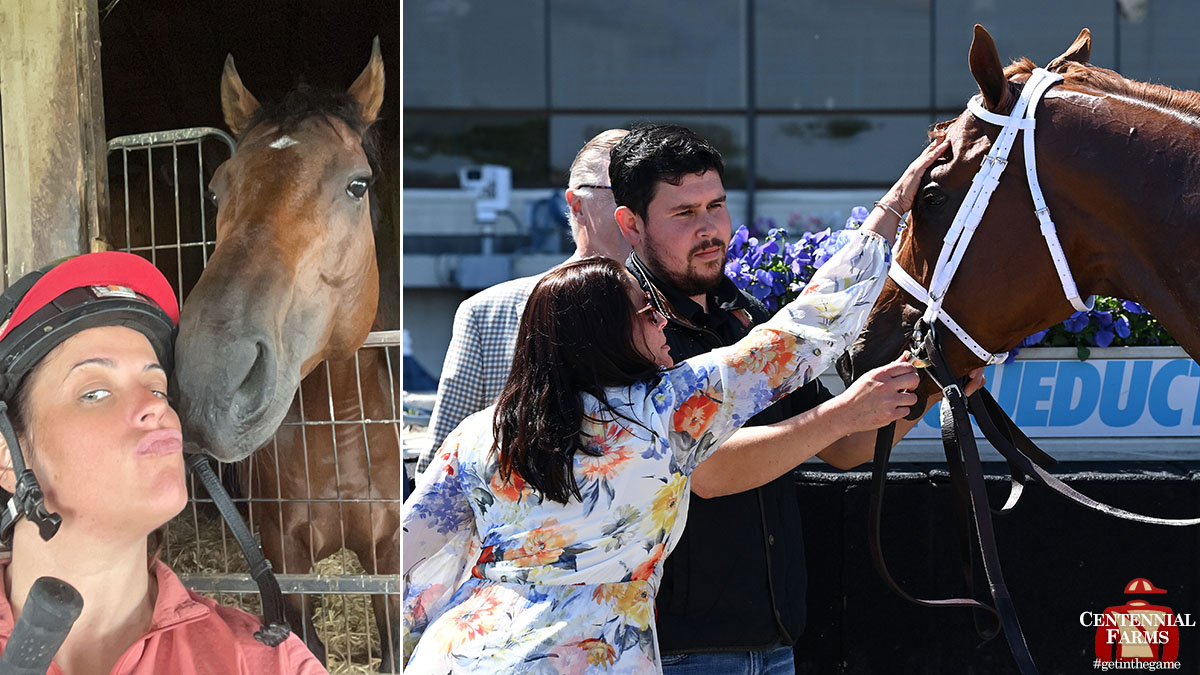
(885, 217)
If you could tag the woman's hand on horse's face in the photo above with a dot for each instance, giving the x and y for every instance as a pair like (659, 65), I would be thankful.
(904, 192)
(884, 220)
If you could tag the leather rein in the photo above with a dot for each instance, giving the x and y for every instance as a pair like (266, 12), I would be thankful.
(1026, 461)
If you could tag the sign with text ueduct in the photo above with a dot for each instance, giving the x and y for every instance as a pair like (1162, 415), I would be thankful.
(1121, 392)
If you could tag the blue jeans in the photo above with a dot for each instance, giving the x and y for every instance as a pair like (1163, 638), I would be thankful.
(773, 661)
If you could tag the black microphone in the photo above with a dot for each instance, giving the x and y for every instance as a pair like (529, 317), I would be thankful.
(50, 610)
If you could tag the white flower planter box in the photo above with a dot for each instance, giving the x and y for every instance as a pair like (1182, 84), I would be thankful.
(1122, 403)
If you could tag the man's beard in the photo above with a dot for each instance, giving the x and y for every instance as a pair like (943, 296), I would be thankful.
(690, 282)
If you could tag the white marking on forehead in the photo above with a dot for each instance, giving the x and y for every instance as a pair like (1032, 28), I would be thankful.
(284, 141)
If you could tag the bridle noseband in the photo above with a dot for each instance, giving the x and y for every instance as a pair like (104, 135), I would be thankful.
(970, 212)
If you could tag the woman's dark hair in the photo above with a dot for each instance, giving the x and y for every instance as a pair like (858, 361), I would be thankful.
(653, 153)
(576, 337)
(18, 408)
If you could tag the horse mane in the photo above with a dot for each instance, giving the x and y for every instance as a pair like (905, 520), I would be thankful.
(1103, 80)
(305, 102)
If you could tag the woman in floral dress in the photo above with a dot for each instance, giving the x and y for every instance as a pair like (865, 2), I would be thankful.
(524, 557)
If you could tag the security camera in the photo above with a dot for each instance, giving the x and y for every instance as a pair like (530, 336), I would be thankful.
(490, 184)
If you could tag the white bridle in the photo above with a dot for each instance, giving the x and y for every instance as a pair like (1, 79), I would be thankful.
(971, 212)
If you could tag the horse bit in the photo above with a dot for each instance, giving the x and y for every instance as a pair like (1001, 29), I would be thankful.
(970, 212)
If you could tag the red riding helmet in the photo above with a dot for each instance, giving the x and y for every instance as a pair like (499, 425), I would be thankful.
(44, 308)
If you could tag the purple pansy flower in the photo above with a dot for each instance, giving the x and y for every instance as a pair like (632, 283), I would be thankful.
(1133, 307)
(1035, 338)
(858, 215)
(1077, 322)
(1121, 326)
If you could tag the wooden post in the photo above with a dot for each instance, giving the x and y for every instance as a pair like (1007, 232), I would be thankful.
(52, 117)
(3, 210)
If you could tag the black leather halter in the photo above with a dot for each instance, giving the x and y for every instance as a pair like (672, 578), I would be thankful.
(1026, 461)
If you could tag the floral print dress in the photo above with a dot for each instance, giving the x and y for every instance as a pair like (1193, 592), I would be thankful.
(497, 581)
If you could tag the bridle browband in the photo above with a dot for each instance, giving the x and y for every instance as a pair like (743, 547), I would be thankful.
(970, 213)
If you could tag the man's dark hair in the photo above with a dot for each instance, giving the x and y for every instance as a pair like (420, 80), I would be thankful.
(576, 337)
(653, 153)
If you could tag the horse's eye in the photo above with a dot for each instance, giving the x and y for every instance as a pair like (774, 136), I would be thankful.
(932, 196)
(357, 188)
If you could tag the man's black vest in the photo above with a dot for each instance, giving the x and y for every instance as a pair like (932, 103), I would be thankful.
(736, 580)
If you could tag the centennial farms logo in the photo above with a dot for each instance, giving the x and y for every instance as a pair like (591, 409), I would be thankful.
(1142, 634)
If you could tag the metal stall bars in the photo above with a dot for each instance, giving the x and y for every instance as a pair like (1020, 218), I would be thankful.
(176, 230)
(161, 211)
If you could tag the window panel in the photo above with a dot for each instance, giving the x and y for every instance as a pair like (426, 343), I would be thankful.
(475, 54)
(437, 145)
(837, 150)
(1160, 47)
(727, 133)
(635, 54)
(823, 54)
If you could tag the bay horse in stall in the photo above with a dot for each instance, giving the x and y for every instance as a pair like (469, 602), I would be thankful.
(1119, 164)
(290, 292)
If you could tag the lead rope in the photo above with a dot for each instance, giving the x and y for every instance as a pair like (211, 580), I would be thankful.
(275, 628)
(883, 451)
(958, 441)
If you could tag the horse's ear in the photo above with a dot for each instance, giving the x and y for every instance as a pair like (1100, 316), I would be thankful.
(238, 104)
(1079, 52)
(368, 88)
(985, 66)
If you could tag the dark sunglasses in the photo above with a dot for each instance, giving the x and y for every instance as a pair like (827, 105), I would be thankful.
(649, 310)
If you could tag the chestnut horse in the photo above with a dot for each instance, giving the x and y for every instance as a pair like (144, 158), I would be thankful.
(1117, 163)
(292, 283)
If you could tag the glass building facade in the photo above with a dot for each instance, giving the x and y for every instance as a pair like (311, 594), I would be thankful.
(796, 93)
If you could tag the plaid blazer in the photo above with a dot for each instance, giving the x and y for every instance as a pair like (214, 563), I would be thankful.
(479, 357)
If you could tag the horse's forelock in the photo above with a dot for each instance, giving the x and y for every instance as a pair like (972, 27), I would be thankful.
(938, 131)
(305, 102)
(1021, 66)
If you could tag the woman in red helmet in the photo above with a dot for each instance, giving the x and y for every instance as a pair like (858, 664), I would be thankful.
(94, 457)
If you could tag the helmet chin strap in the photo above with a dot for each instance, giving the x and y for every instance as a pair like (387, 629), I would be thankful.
(27, 501)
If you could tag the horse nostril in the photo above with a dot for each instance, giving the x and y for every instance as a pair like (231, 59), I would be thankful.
(251, 393)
